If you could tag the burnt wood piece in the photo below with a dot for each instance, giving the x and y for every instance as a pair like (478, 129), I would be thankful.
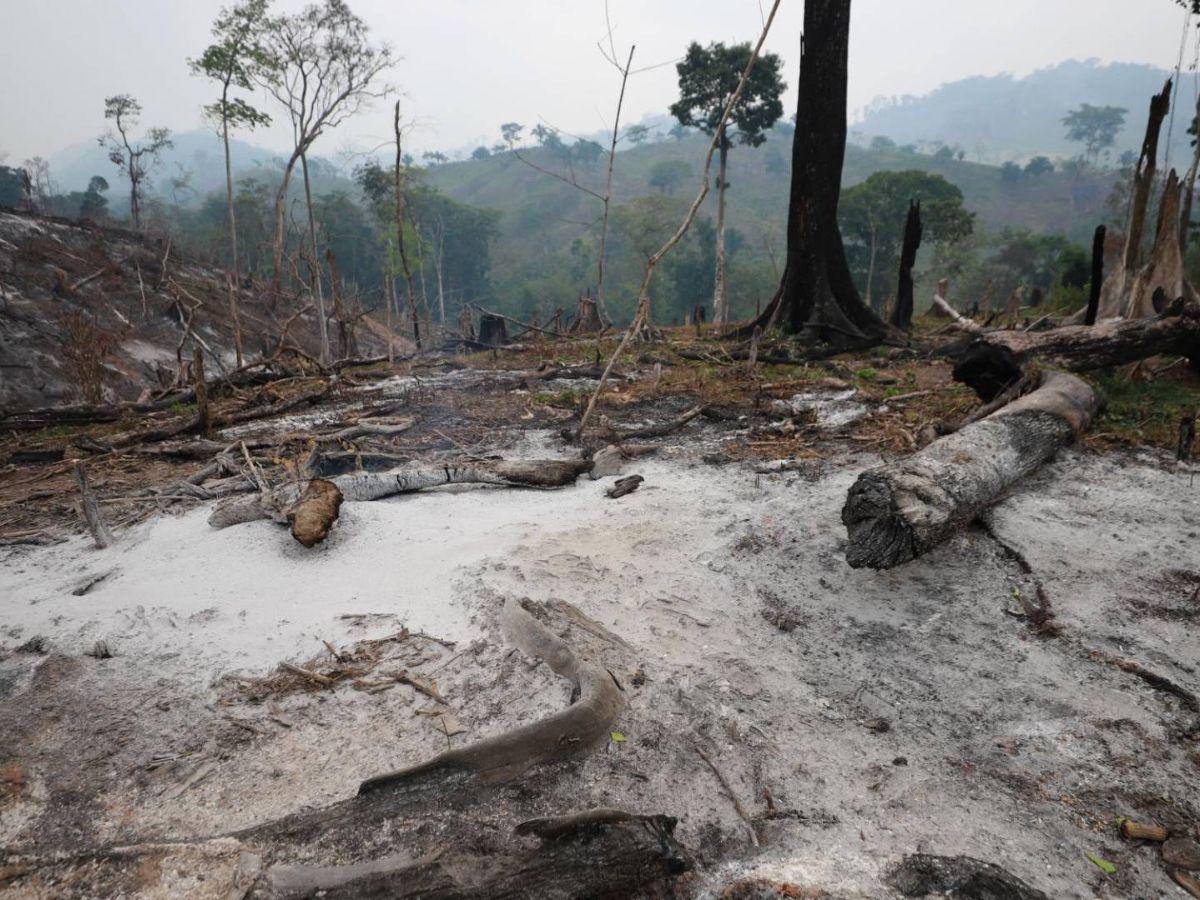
(902, 310)
(897, 512)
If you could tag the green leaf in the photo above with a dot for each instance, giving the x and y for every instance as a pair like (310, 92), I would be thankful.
(1102, 864)
(618, 737)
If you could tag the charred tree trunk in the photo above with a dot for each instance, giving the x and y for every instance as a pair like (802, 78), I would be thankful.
(1163, 275)
(492, 330)
(720, 312)
(902, 312)
(899, 511)
(817, 297)
(587, 317)
(1081, 348)
(1115, 293)
(1093, 306)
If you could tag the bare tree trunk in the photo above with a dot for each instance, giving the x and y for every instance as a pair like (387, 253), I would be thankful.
(720, 308)
(1189, 187)
(868, 299)
(441, 287)
(399, 186)
(817, 295)
(612, 156)
(323, 329)
(278, 238)
(1115, 293)
(389, 300)
(1097, 281)
(235, 283)
(135, 205)
(902, 312)
(899, 511)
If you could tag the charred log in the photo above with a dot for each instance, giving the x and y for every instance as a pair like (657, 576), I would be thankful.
(899, 511)
(1080, 348)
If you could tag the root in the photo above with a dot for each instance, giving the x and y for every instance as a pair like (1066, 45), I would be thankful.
(577, 728)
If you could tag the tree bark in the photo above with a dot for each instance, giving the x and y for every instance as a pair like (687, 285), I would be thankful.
(899, 511)
(1082, 348)
(91, 509)
(1162, 276)
(902, 312)
(235, 283)
(720, 311)
(817, 296)
(1093, 307)
(374, 486)
(399, 189)
(318, 292)
(1115, 293)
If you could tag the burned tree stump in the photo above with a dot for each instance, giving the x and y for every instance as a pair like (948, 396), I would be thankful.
(902, 311)
(899, 511)
(492, 330)
(91, 509)
(587, 317)
(624, 486)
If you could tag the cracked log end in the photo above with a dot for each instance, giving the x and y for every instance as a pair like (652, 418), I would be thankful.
(313, 514)
(879, 537)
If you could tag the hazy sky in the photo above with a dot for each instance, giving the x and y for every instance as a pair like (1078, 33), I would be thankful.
(468, 65)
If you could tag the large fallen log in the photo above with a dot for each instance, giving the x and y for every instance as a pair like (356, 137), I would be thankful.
(899, 511)
(1083, 348)
(536, 473)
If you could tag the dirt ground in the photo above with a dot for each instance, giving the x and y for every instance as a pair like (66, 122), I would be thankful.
(857, 716)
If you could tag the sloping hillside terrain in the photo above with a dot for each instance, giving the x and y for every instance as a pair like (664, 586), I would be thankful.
(100, 314)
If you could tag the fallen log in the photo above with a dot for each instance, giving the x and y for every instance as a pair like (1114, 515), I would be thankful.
(901, 510)
(314, 512)
(625, 486)
(541, 473)
(1083, 348)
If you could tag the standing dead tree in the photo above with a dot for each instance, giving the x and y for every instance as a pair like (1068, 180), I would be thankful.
(399, 191)
(133, 160)
(322, 68)
(902, 311)
(1114, 295)
(228, 61)
(641, 327)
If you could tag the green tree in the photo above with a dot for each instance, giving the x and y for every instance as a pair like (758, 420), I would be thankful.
(229, 61)
(93, 204)
(1039, 165)
(668, 174)
(321, 67)
(708, 77)
(133, 160)
(1096, 127)
(11, 190)
(872, 216)
(480, 152)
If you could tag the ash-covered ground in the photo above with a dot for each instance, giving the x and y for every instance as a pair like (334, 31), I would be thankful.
(858, 716)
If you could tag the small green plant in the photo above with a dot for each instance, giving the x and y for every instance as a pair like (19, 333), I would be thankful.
(867, 374)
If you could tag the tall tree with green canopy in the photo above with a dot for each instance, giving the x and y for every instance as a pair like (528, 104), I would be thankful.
(229, 61)
(872, 217)
(134, 160)
(708, 77)
(1096, 127)
(321, 66)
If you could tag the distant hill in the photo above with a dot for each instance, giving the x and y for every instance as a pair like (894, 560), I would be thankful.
(196, 153)
(542, 219)
(998, 118)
